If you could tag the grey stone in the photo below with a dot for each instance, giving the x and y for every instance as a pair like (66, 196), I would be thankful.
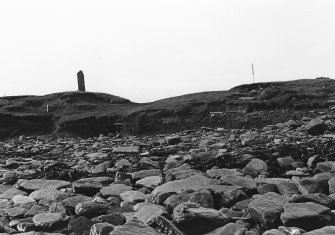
(90, 186)
(115, 189)
(255, 167)
(114, 219)
(315, 127)
(48, 195)
(311, 185)
(10, 193)
(80, 226)
(134, 227)
(36, 184)
(129, 149)
(267, 208)
(324, 166)
(132, 196)
(327, 230)
(146, 173)
(72, 202)
(287, 188)
(173, 140)
(101, 229)
(229, 229)
(303, 215)
(244, 182)
(218, 173)
(150, 181)
(285, 162)
(23, 200)
(91, 209)
(148, 212)
(48, 220)
(318, 198)
(163, 191)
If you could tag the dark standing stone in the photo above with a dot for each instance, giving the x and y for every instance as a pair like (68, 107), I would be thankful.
(81, 81)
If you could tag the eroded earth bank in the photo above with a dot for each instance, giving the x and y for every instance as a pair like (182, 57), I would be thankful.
(275, 180)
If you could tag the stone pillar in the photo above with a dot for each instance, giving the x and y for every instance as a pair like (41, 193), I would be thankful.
(81, 81)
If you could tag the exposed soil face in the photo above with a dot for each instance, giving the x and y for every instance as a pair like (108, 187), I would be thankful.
(88, 114)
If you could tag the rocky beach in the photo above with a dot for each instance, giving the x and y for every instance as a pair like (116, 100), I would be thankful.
(271, 178)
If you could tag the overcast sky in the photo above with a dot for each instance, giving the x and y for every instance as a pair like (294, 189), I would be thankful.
(146, 50)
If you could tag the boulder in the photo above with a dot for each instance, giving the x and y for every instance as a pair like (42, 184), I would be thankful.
(195, 219)
(267, 209)
(316, 127)
(90, 209)
(312, 185)
(159, 194)
(307, 215)
(101, 229)
(255, 167)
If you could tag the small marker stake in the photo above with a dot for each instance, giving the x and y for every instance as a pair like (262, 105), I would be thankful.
(253, 73)
(47, 108)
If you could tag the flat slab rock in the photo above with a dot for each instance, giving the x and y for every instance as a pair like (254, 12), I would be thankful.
(129, 149)
(90, 186)
(327, 230)
(36, 184)
(191, 211)
(303, 215)
(10, 193)
(72, 202)
(115, 189)
(47, 219)
(132, 196)
(244, 182)
(148, 212)
(134, 227)
(145, 173)
(267, 208)
(47, 194)
(217, 173)
(230, 228)
(150, 181)
(179, 185)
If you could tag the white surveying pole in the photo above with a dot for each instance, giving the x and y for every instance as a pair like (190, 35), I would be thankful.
(253, 73)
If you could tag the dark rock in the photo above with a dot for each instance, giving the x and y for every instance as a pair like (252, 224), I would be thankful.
(315, 127)
(306, 215)
(80, 226)
(114, 219)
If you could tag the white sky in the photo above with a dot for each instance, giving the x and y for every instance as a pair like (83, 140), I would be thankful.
(146, 50)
